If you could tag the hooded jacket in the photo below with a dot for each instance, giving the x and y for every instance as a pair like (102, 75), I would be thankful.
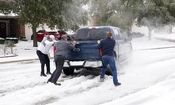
(63, 48)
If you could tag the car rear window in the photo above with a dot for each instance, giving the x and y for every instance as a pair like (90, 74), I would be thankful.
(91, 33)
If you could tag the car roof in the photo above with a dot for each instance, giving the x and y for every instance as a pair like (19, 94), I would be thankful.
(90, 27)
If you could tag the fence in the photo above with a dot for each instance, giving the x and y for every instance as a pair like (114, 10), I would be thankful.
(7, 47)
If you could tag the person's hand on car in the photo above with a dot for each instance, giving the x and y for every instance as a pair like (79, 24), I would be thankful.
(76, 49)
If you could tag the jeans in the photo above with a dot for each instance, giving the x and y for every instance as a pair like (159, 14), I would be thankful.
(59, 62)
(109, 60)
(44, 60)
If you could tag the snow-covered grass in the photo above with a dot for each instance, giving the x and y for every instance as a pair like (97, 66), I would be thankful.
(147, 78)
(24, 51)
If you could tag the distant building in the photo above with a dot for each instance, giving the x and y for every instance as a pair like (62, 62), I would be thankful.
(10, 26)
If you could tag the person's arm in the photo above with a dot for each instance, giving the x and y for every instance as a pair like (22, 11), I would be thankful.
(100, 48)
(71, 45)
(100, 44)
(44, 39)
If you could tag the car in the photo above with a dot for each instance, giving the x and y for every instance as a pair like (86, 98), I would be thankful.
(89, 55)
(41, 33)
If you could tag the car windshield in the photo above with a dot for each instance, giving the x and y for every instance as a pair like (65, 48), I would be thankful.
(91, 33)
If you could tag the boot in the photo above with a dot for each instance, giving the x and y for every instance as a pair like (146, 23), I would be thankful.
(42, 74)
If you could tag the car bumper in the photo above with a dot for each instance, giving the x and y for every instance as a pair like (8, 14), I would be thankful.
(94, 64)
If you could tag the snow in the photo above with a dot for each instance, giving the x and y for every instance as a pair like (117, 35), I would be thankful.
(147, 78)
(11, 14)
(23, 50)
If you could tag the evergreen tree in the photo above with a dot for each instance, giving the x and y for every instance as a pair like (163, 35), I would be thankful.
(115, 12)
(153, 12)
(5, 7)
(36, 12)
(75, 15)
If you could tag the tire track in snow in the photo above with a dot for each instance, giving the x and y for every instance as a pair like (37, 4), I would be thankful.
(18, 76)
(73, 85)
(46, 101)
(6, 91)
(79, 88)
(70, 88)
(10, 90)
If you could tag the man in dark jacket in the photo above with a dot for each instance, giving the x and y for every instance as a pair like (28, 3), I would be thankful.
(62, 49)
(108, 57)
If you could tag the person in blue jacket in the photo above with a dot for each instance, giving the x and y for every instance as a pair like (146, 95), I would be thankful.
(108, 57)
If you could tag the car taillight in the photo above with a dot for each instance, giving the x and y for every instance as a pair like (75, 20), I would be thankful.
(101, 51)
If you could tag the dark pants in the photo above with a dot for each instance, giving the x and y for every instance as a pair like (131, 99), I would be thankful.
(59, 62)
(109, 60)
(44, 59)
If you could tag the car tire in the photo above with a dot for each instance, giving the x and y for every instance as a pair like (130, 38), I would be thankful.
(68, 70)
(108, 71)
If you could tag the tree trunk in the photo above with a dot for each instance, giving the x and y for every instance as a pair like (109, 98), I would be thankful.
(149, 33)
(129, 36)
(129, 33)
(170, 29)
(34, 37)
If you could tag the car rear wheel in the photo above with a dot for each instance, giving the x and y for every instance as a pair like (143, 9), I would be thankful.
(108, 71)
(68, 70)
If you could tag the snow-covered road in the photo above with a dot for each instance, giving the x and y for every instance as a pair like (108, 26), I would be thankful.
(20, 83)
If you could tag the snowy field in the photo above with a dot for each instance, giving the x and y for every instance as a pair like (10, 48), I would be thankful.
(148, 78)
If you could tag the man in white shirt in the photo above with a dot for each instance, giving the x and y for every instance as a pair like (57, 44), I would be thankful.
(43, 51)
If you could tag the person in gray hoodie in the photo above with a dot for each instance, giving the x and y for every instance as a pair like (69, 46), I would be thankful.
(61, 53)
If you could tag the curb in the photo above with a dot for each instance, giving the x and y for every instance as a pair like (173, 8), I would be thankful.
(21, 60)
(14, 61)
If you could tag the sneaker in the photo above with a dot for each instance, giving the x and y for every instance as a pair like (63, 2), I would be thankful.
(102, 79)
(118, 84)
(58, 84)
(48, 81)
(48, 73)
(43, 75)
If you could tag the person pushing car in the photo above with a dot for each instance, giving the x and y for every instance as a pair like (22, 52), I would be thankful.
(108, 57)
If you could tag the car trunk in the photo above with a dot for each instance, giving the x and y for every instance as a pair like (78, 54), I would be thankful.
(88, 52)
